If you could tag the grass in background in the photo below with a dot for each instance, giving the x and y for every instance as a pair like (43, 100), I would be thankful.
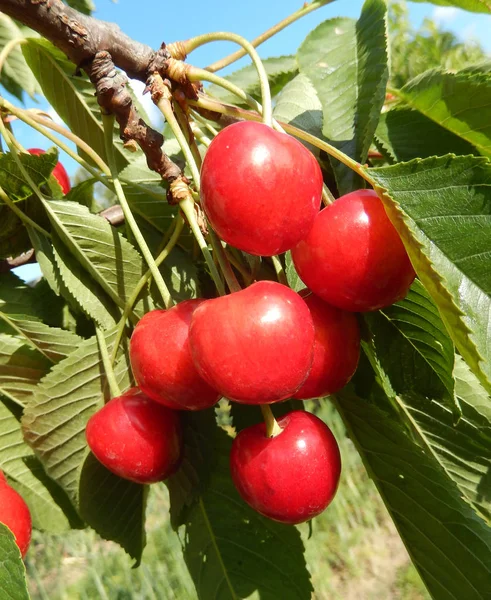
(354, 552)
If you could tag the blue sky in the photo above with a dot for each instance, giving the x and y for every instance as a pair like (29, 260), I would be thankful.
(154, 21)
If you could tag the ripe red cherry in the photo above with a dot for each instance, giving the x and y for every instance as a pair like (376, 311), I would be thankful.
(291, 477)
(336, 348)
(353, 257)
(254, 346)
(260, 189)
(59, 172)
(162, 363)
(136, 438)
(15, 514)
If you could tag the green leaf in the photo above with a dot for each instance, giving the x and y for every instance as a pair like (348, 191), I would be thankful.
(45, 257)
(79, 288)
(16, 75)
(84, 6)
(442, 210)
(106, 256)
(114, 507)
(459, 102)
(448, 543)
(12, 570)
(72, 96)
(280, 70)
(38, 167)
(482, 6)
(346, 61)
(54, 343)
(54, 426)
(47, 502)
(411, 350)
(412, 343)
(54, 419)
(292, 277)
(22, 318)
(404, 134)
(299, 105)
(233, 552)
(21, 369)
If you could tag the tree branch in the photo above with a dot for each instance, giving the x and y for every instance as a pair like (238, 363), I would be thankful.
(81, 36)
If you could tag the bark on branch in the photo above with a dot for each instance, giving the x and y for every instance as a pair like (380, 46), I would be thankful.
(81, 36)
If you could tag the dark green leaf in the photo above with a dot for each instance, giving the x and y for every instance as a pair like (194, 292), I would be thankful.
(442, 210)
(346, 61)
(233, 552)
(404, 134)
(448, 543)
(459, 102)
(114, 507)
(12, 571)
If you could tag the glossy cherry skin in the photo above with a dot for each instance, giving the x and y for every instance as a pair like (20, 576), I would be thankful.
(353, 256)
(291, 477)
(136, 438)
(254, 346)
(59, 172)
(15, 514)
(260, 189)
(162, 363)
(336, 348)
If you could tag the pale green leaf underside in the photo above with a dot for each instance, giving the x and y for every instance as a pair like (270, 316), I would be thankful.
(15, 68)
(446, 227)
(21, 368)
(25, 474)
(459, 102)
(71, 96)
(280, 70)
(299, 105)
(12, 571)
(346, 61)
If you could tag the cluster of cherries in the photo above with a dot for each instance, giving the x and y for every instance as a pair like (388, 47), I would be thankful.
(261, 191)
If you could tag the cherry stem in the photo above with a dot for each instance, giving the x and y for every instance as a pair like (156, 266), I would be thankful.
(165, 107)
(327, 197)
(178, 227)
(108, 124)
(231, 58)
(200, 40)
(225, 266)
(272, 427)
(39, 123)
(187, 207)
(280, 271)
(108, 368)
(196, 74)
(240, 113)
